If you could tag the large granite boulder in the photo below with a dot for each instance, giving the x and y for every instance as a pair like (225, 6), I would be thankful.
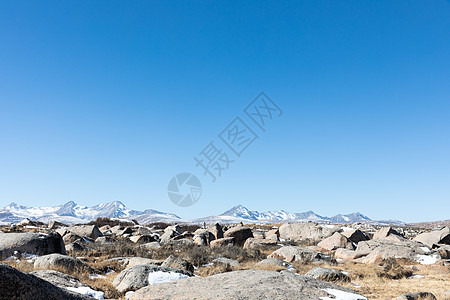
(240, 234)
(306, 231)
(337, 240)
(139, 276)
(87, 231)
(245, 285)
(433, 238)
(32, 243)
(222, 242)
(216, 230)
(382, 249)
(259, 244)
(21, 286)
(355, 235)
(178, 263)
(61, 262)
(203, 237)
(67, 282)
(384, 232)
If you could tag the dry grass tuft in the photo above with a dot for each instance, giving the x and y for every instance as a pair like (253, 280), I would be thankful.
(214, 269)
(392, 270)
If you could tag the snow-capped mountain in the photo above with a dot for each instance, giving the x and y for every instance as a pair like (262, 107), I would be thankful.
(354, 217)
(71, 212)
(273, 215)
(240, 213)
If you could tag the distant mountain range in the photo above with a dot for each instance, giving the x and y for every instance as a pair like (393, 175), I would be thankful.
(71, 213)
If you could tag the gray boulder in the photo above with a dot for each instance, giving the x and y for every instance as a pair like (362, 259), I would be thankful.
(59, 279)
(381, 249)
(55, 224)
(71, 237)
(121, 230)
(32, 243)
(301, 255)
(169, 233)
(181, 243)
(355, 235)
(222, 242)
(226, 261)
(151, 246)
(202, 237)
(306, 231)
(416, 296)
(433, 238)
(347, 254)
(217, 231)
(326, 274)
(259, 244)
(245, 285)
(336, 241)
(136, 277)
(240, 234)
(273, 234)
(75, 246)
(142, 239)
(59, 261)
(142, 230)
(88, 231)
(178, 263)
(384, 232)
(21, 286)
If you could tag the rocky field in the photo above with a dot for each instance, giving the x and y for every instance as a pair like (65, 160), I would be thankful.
(114, 259)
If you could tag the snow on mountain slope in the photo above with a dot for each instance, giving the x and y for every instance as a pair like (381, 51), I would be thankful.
(71, 213)
(240, 213)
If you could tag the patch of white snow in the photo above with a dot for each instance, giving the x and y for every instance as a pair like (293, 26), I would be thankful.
(341, 295)
(160, 277)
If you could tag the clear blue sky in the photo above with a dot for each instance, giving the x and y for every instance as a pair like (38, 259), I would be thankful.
(107, 100)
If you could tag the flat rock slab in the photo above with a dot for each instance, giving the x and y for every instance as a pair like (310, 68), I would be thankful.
(248, 284)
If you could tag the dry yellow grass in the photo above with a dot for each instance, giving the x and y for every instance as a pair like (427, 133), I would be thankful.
(436, 279)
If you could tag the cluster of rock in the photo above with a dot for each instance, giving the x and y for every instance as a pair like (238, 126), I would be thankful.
(366, 247)
(144, 277)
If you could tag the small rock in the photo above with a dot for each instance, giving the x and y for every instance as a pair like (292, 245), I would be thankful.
(222, 242)
(142, 239)
(326, 274)
(226, 261)
(416, 296)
